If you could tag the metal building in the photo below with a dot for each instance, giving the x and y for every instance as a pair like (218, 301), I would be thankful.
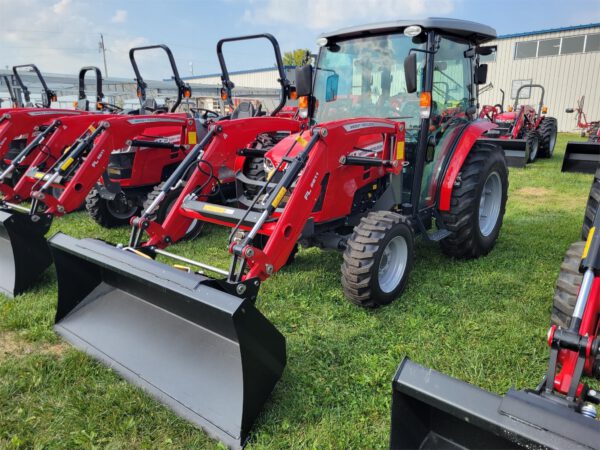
(566, 61)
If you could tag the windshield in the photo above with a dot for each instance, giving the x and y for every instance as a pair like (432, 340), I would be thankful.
(364, 77)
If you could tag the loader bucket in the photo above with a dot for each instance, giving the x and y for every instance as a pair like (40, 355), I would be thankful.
(210, 356)
(431, 410)
(515, 150)
(581, 157)
(24, 253)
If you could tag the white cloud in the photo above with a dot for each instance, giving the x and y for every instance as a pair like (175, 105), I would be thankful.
(119, 17)
(325, 14)
(61, 6)
(65, 37)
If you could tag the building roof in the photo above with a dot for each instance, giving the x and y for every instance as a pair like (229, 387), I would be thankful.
(465, 28)
(238, 72)
(550, 30)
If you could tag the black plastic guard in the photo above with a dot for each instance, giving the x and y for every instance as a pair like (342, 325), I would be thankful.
(210, 356)
(24, 253)
(431, 410)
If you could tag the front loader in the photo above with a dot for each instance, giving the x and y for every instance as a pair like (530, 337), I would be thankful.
(583, 156)
(379, 160)
(523, 132)
(433, 410)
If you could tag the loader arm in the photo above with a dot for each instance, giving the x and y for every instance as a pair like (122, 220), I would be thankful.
(229, 138)
(46, 152)
(110, 135)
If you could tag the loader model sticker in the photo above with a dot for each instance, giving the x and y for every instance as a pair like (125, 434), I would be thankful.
(363, 125)
(218, 209)
(97, 161)
(312, 185)
(152, 120)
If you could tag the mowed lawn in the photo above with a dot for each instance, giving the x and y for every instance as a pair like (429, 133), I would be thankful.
(482, 321)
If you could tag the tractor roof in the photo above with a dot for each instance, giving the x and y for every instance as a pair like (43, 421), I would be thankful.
(474, 31)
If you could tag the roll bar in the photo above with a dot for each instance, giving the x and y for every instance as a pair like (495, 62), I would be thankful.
(13, 97)
(183, 89)
(531, 86)
(283, 81)
(49, 94)
(82, 73)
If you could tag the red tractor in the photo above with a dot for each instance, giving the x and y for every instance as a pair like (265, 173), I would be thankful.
(119, 163)
(19, 126)
(382, 159)
(523, 132)
(430, 409)
(583, 156)
(49, 139)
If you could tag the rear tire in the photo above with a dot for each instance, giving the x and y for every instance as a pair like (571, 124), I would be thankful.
(567, 286)
(533, 144)
(475, 230)
(548, 133)
(106, 213)
(378, 259)
(593, 134)
(592, 206)
(165, 208)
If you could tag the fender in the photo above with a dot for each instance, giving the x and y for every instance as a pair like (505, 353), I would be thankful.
(468, 138)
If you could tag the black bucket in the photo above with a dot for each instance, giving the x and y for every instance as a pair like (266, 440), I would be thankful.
(515, 150)
(431, 410)
(210, 356)
(581, 157)
(24, 252)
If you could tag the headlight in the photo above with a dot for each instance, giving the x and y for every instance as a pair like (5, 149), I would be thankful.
(268, 165)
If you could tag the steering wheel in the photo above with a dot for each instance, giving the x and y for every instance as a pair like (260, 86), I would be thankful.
(207, 113)
(110, 107)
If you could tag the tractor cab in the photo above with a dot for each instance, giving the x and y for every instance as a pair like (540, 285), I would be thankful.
(424, 75)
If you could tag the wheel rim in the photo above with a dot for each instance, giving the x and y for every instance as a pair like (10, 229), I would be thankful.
(552, 142)
(120, 208)
(392, 264)
(534, 149)
(489, 203)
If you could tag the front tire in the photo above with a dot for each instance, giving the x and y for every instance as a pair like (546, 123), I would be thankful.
(567, 286)
(165, 207)
(477, 204)
(532, 139)
(378, 259)
(110, 213)
(548, 134)
(592, 206)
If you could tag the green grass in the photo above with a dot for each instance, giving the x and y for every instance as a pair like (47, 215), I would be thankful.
(482, 321)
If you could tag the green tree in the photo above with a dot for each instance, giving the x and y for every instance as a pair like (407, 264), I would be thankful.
(295, 57)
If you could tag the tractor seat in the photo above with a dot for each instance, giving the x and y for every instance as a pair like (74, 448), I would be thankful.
(149, 105)
(83, 104)
(243, 111)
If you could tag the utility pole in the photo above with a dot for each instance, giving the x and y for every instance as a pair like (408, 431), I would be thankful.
(102, 48)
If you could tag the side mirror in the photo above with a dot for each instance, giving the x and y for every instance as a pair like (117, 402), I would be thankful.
(481, 74)
(569, 110)
(331, 87)
(410, 72)
(304, 81)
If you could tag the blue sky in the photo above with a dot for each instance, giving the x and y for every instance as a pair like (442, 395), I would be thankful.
(63, 35)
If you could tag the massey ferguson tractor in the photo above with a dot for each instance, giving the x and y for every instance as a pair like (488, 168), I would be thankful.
(386, 154)
(583, 156)
(112, 160)
(19, 126)
(433, 410)
(523, 132)
(49, 139)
